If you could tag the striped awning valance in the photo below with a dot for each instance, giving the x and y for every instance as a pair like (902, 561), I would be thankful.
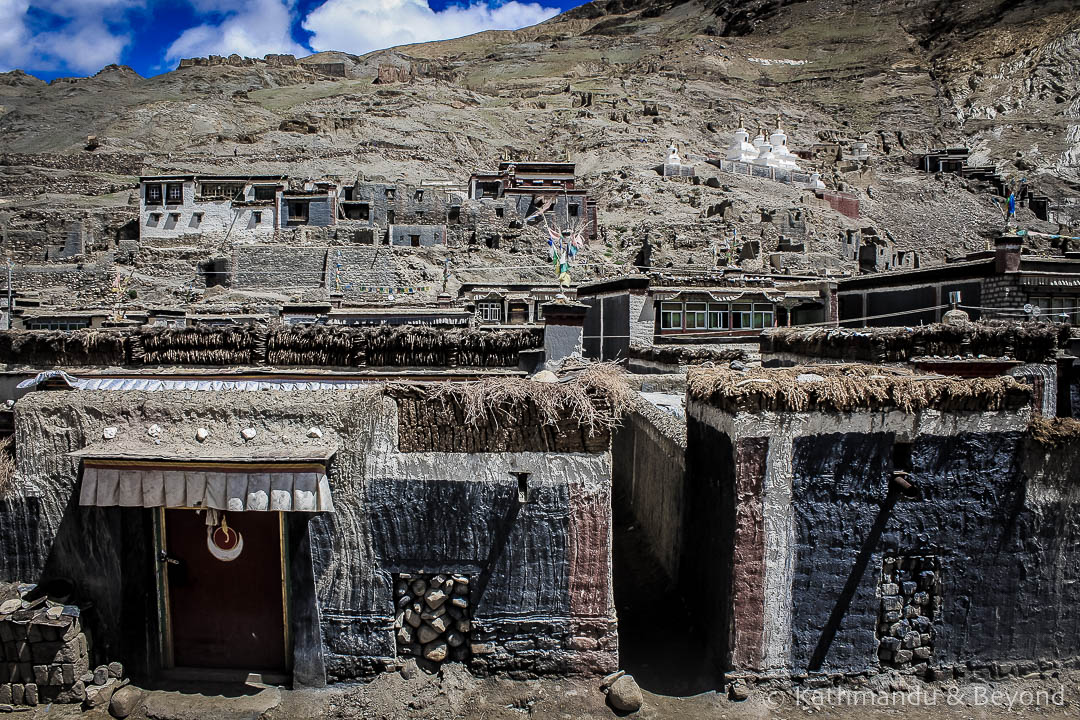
(232, 486)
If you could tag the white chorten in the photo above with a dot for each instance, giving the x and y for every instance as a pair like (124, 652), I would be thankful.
(741, 150)
(783, 157)
(673, 155)
(759, 140)
(765, 156)
(815, 182)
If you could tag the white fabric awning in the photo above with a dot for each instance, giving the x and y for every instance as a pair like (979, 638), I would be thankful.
(234, 487)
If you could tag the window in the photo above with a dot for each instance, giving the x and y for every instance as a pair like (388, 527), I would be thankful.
(1063, 310)
(264, 193)
(763, 316)
(454, 215)
(154, 194)
(221, 190)
(489, 311)
(298, 213)
(389, 217)
(389, 193)
(574, 210)
(717, 316)
(358, 211)
(62, 324)
(741, 316)
(348, 194)
(671, 316)
(695, 316)
(498, 212)
(257, 216)
(414, 240)
(419, 196)
(174, 193)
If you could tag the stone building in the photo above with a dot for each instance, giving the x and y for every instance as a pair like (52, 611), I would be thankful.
(1004, 283)
(318, 525)
(851, 521)
(520, 189)
(172, 207)
(666, 310)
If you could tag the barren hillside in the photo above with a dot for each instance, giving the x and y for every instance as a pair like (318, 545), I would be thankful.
(610, 85)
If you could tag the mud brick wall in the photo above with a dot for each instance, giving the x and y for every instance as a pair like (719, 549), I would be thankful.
(431, 425)
(648, 477)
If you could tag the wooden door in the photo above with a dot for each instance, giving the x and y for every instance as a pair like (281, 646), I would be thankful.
(226, 614)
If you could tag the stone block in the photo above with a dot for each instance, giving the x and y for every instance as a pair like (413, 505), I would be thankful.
(920, 598)
(921, 653)
(5, 693)
(902, 656)
(56, 674)
(68, 672)
(890, 589)
(116, 670)
(482, 648)
(41, 674)
(579, 642)
(17, 694)
(891, 603)
(30, 694)
(908, 588)
(890, 643)
(891, 617)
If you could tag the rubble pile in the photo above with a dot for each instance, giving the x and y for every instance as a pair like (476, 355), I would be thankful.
(45, 655)
(432, 619)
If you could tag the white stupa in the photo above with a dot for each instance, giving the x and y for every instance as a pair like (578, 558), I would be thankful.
(815, 182)
(782, 157)
(759, 139)
(765, 156)
(741, 150)
(673, 155)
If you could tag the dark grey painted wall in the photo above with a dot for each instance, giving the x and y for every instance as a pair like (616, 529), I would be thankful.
(1009, 574)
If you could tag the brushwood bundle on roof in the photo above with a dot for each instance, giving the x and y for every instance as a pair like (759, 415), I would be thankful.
(54, 347)
(844, 388)
(1055, 433)
(574, 415)
(1027, 341)
(296, 346)
(200, 345)
(684, 355)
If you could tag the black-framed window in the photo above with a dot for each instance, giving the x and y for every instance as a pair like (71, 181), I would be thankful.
(154, 194)
(174, 193)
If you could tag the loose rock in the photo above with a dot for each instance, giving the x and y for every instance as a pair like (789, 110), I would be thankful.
(124, 701)
(625, 695)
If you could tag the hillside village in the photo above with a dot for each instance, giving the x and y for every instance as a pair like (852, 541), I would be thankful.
(665, 358)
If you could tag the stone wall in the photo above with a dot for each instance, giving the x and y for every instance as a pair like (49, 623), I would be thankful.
(278, 266)
(530, 528)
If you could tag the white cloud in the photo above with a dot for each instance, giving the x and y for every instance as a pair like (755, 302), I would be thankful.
(78, 39)
(252, 29)
(360, 26)
(13, 34)
(85, 49)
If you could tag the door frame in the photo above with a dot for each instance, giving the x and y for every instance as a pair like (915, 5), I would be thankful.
(165, 639)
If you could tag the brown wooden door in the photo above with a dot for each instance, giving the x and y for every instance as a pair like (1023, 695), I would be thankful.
(226, 614)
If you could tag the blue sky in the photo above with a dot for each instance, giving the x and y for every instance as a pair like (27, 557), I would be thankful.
(54, 38)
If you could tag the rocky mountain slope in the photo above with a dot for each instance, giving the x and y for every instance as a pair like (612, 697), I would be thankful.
(610, 85)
